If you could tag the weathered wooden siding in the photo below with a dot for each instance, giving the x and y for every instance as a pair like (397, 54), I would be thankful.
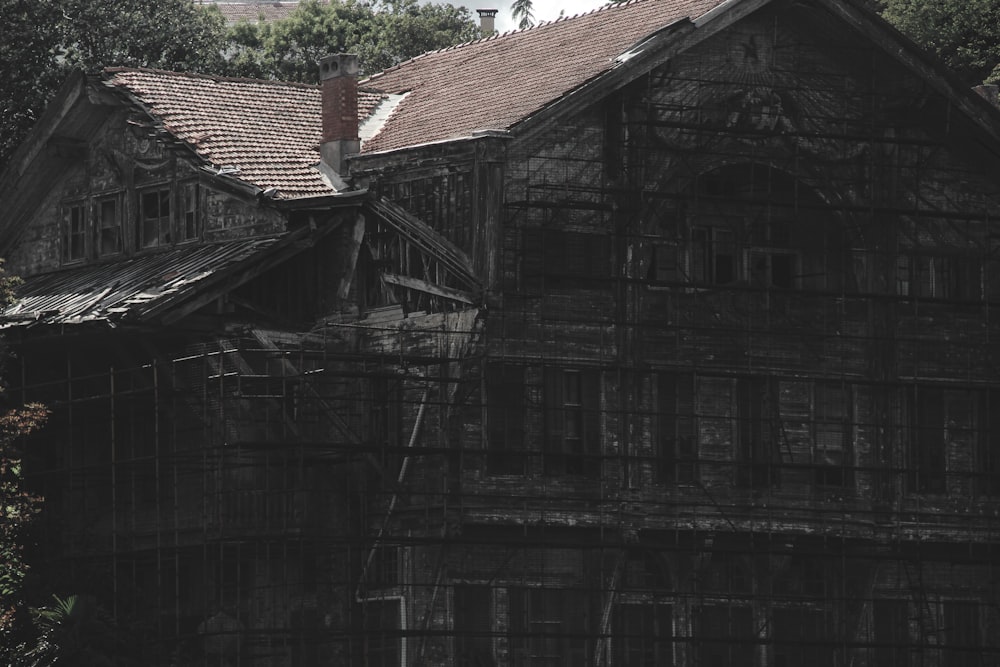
(117, 164)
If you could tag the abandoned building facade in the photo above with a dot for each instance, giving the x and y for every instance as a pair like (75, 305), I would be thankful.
(660, 335)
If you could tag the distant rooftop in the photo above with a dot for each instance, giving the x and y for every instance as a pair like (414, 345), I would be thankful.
(253, 11)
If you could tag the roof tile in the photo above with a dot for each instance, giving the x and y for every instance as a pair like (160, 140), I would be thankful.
(270, 130)
(257, 126)
(496, 82)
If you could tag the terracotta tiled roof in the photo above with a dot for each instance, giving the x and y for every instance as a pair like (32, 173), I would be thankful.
(496, 82)
(269, 131)
(266, 130)
(255, 12)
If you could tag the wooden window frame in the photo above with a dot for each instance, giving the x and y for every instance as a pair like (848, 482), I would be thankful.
(189, 218)
(714, 260)
(73, 231)
(572, 422)
(757, 443)
(828, 426)
(927, 455)
(108, 234)
(953, 277)
(161, 224)
(548, 627)
(676, 459)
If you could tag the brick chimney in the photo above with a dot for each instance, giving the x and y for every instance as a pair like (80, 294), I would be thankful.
(338, 82)
(487, 18)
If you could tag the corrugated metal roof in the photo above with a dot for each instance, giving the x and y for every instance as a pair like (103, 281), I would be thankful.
(129, 289)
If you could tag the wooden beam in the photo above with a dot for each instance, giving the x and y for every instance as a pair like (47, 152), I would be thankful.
(429, 240)
(429, 288)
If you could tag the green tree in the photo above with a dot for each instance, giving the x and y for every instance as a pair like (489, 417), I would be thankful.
(75, 630)
(18, 508)
(523, 12)
(382, 34)
(964, 33)
(44, 39)
(29, 66)
(165, 34)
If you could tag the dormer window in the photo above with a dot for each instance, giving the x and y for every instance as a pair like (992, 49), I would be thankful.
(74, 232)
(154, 217)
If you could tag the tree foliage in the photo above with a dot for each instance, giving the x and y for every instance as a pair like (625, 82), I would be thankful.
(75, 630)
(383, 34)
(44, 39)
(523, 11)
(964, 33)
(18, 507)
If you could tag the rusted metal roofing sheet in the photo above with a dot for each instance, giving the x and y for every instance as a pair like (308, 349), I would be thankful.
(130, 289)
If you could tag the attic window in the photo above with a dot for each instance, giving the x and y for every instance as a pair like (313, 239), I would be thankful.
(74, 232)
(190, 220)
(108, 232)
(154, 217)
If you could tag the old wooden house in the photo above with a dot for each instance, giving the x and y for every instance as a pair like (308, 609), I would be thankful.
(660, 335)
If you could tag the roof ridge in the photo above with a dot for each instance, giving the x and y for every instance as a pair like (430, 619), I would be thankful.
(210, 77)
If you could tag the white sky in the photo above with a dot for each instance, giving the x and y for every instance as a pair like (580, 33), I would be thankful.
(545, 10)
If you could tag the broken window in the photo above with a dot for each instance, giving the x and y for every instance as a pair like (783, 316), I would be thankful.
(677, 448)
(572, 436)
(154, 217)
(548, 627)
(109, 226)
(832, 435)
(666, 265)
(505, 400)
(926, 455)
(770, 268)
(642, 635)
(713, 256)
(757, 441)
(74, 232)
